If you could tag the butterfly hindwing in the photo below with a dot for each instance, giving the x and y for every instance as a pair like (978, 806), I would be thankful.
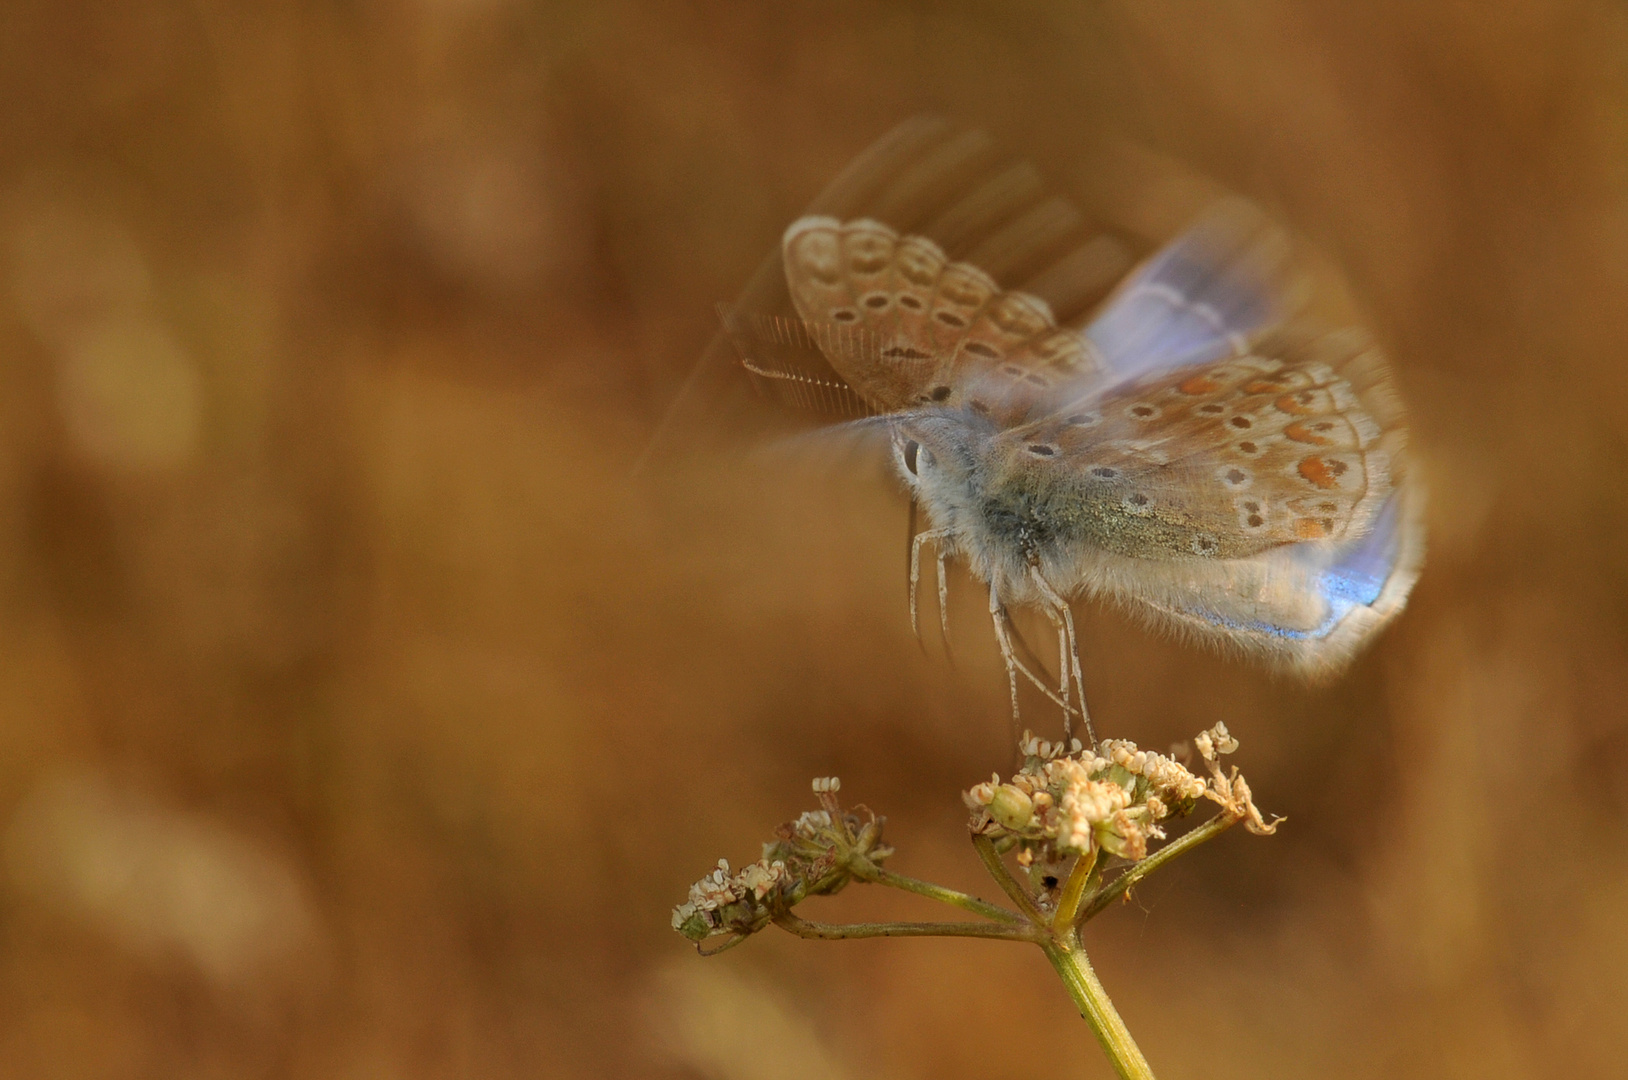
(1235, 456)
(1309, 605)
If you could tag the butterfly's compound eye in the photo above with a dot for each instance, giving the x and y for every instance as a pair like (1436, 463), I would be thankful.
(911, 450)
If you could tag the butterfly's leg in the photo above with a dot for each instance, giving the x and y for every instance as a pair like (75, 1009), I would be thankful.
(998, 615)
(1065, 685)
(1079, 677)
(1067, 614)
(1021, 653)
(943, 600)
(935, 535)
(910, 539)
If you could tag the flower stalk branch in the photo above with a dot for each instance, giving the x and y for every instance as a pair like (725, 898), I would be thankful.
(877, 875)
(843, 931)
(1068, 819)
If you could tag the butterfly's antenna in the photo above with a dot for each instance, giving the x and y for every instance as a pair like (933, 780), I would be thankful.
(1069, 655)
(924, 161)
(827, 435)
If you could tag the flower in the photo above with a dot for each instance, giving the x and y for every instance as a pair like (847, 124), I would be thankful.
(815, 854)
(1231, 792)
(1067, 800)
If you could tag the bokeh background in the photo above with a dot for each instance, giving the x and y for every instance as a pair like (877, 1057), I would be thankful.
(363, 715)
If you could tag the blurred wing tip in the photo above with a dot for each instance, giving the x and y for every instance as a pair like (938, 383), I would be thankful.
(1366, 615)
(1365, 585)
(807, 223)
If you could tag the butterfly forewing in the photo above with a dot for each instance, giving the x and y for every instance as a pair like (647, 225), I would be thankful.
(949, 333)
(1268, 448)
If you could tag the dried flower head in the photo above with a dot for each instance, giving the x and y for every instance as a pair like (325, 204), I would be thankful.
(1231, 792)
(814, 855)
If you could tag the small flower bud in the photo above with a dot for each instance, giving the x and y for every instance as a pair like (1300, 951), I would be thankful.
(1011, 807)
(761, 877)
(980, 795)
(691, 922)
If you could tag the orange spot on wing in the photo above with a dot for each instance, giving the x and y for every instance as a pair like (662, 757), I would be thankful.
(1263, 386)
(1316, 470)
(1199, 384)
(1309, 529)
(1289, 405)
(1299, 432)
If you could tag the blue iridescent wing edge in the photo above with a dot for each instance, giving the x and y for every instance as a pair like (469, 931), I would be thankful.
(1361, 583)
(1198, 299)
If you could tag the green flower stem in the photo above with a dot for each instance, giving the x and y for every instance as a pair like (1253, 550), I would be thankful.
(1117, 888)
(1082, 879)
(870, 872)
(842, 931)
(1071, 963)
(1003, 877)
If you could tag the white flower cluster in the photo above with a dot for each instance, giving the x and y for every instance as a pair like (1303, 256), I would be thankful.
(1067, 800)
(810, 823)
(720, 888)
(1169, 779)
(814, 855)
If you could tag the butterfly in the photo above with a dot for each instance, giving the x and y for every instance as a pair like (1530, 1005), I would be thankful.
(1192, 453)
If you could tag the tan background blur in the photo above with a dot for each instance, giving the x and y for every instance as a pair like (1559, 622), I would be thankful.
(361, 718)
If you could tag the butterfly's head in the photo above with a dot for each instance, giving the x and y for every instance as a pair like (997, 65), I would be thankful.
(937, 455)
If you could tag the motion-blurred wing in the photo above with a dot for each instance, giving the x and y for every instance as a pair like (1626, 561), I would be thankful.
(930, 331)
(1203, 297)
(1311, 606)
(1296, 440)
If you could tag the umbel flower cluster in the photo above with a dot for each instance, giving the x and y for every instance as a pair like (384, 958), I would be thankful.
(1067, 812)
(1069, 801)
(1080, 825)
(816, 855)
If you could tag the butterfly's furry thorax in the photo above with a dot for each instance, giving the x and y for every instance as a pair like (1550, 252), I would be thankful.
(996, 510)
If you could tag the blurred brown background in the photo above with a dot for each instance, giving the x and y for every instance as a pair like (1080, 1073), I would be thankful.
(363, 718)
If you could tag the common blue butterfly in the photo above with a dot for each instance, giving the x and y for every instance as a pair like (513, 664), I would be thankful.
(1192, 452)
